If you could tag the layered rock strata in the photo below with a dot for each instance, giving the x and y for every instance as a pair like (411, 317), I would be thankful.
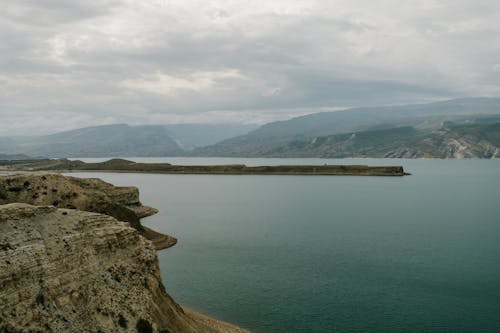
(65, 270)
(92, 195)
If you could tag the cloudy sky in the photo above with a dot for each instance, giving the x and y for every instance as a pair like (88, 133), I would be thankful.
(67, 64)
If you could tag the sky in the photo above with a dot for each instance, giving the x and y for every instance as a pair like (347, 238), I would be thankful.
(69, 64)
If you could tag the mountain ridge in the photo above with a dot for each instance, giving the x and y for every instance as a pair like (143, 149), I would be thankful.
(269, 139)
(119, 140)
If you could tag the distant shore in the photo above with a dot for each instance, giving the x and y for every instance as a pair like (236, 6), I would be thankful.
(126, 166)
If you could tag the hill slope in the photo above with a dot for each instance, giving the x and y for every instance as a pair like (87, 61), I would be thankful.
(121, 140)
(190, 136)
(108, 140)
(275, 139)
(481, 140)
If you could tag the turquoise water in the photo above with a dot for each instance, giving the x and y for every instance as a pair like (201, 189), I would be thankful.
(332, 253)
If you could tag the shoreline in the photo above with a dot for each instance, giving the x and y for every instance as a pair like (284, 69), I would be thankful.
(20, 192)
(214, 323)
(126, 166)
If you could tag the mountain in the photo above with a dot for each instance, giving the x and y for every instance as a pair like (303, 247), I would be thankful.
(14, 157)
(277, 138)
(108, 140)
(190, 136)
(346, 120)
(122, 140)
(470, 140)
(283, 138)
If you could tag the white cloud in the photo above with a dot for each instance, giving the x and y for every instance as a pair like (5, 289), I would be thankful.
(164, 84)
(131, 61)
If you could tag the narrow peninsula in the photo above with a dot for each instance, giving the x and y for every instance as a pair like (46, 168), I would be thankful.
(121, 165)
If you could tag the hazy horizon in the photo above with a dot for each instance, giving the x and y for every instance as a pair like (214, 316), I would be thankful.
(221, 123)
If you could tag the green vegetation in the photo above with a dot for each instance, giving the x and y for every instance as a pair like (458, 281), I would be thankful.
(476, 139)
(488, 131)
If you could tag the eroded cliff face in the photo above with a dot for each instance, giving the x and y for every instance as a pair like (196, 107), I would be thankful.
(85, 194)
(442, 146)
(65, 270)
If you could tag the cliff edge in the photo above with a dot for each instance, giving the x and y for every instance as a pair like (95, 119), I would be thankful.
(65, 270)
(88, 194)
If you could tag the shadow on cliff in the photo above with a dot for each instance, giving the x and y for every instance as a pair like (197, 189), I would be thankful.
(90, 194)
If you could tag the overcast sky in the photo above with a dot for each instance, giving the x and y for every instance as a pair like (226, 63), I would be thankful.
(67, 64)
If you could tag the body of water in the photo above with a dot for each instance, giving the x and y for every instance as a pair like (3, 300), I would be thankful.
(333, 253)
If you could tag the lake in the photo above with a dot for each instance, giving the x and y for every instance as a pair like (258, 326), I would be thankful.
(332, 253)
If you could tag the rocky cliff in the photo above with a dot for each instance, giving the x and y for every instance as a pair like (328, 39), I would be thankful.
(65, 270)
(92, 195)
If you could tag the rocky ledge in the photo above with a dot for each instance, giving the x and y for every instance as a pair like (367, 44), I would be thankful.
(65, 270)
(92, 195)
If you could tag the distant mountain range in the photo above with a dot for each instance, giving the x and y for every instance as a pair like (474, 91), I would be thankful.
(422, 130)
(450, 129)
(121, 140)
(109, 140)
(18, 157)
(190, 136)
(477, 140)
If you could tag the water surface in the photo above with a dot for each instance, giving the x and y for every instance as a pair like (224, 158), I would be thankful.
(333, 253)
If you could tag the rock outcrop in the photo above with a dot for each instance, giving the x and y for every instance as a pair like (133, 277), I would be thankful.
(65, 270)
(86, 194)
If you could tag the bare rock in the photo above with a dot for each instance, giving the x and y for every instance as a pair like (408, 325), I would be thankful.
(65, 270)
(94, 195)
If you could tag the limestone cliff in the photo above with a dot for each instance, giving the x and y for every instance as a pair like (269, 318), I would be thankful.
(92, 195)
(65, 270)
